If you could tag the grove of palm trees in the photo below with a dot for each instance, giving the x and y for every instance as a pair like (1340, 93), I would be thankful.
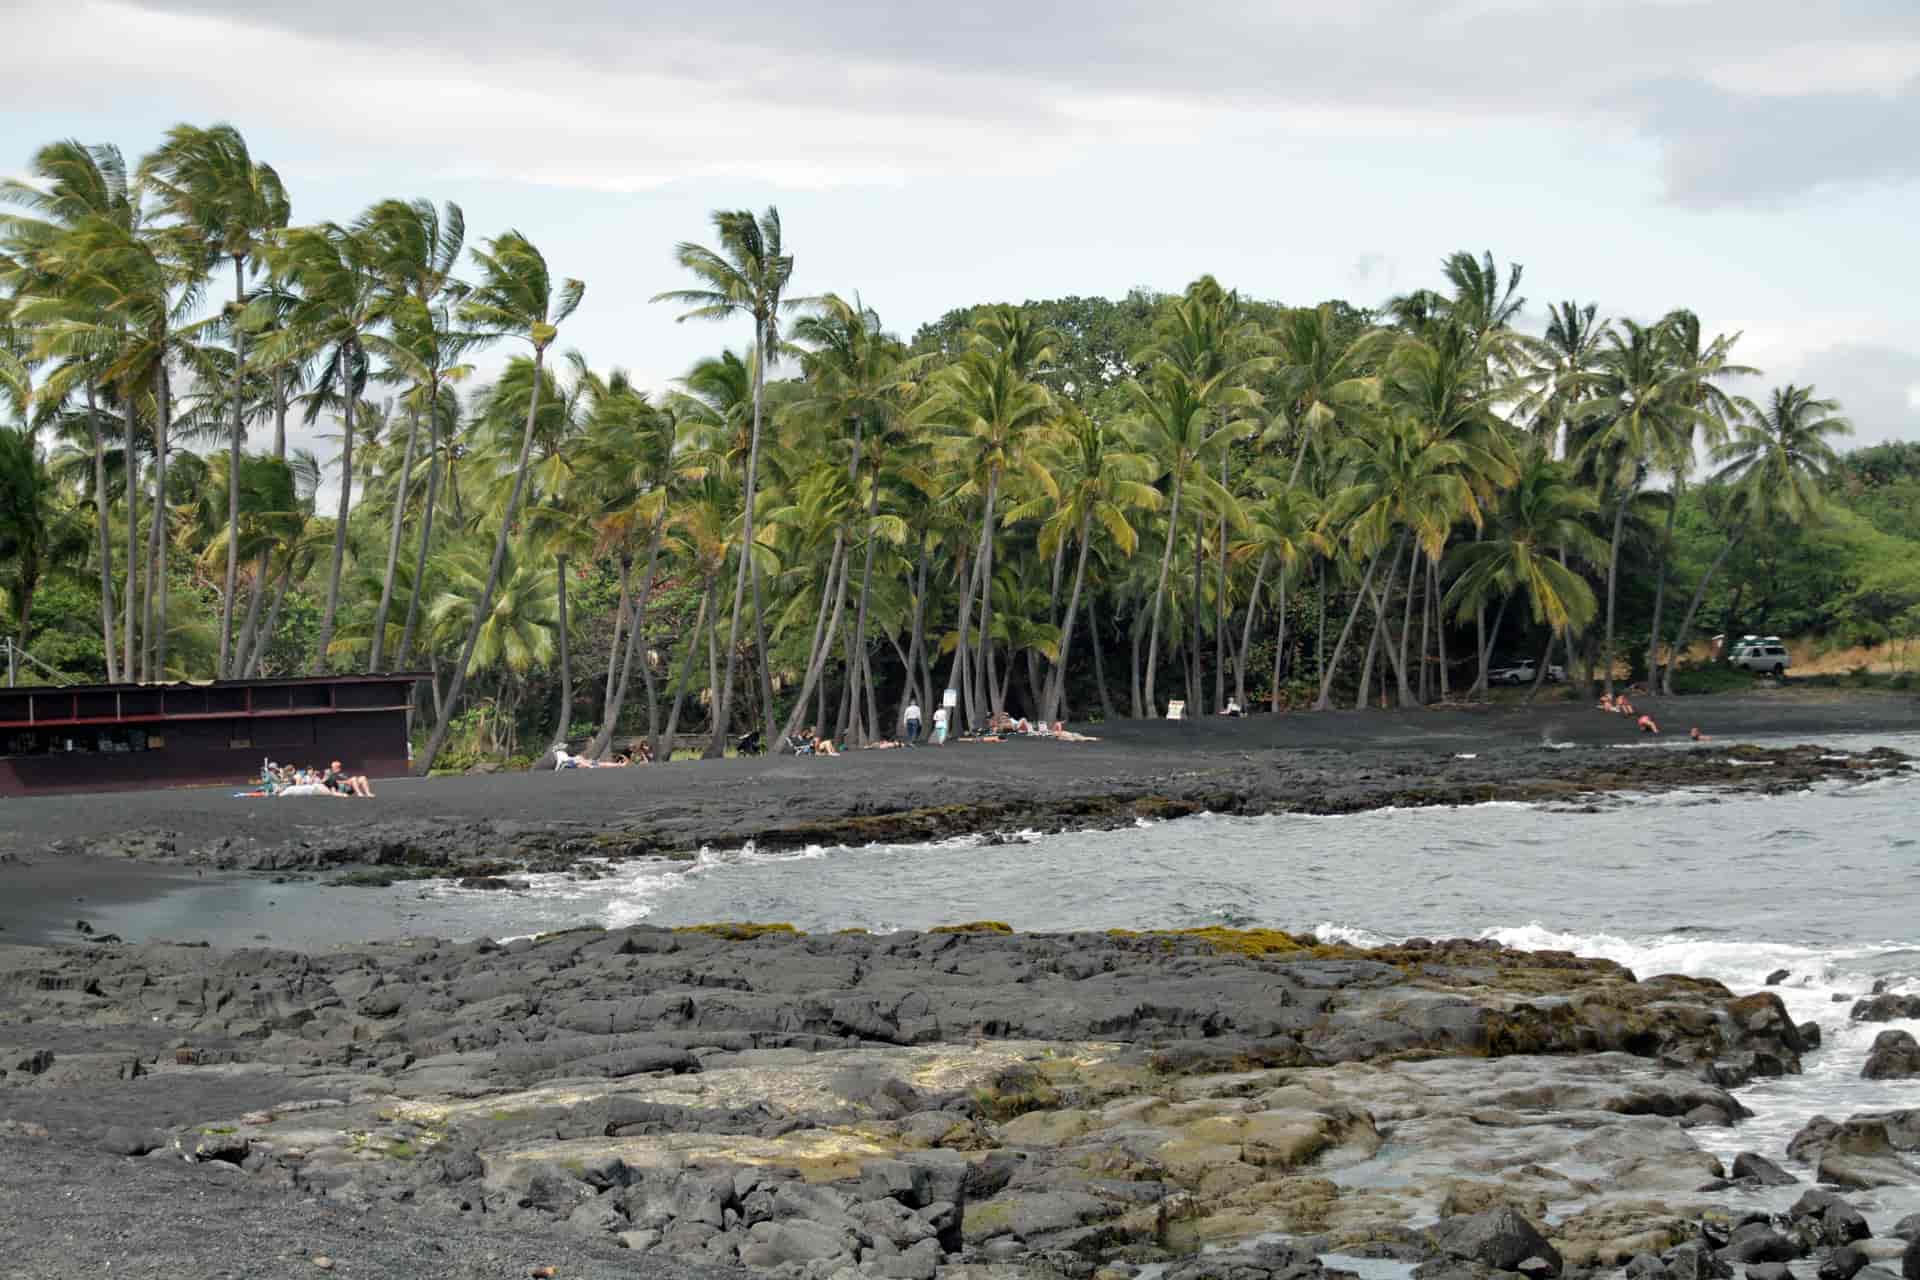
(1070, 509)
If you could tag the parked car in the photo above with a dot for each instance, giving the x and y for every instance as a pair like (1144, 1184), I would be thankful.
(1525, 671)
(1761, 653)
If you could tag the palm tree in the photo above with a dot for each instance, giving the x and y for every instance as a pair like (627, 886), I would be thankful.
(988, 408)
(337, 318)
(38, 533)
(1776, 464)
(233, 206)
(1284, 529)
(1643, 400)
(516, 297)
(1708, 360)
(1541, 519)
(1100, 481)
(1562, 364)
(503, 613)
(746, 276)
(74, 186)
(416, 249)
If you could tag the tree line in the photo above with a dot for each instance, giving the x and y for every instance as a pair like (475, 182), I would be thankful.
(1076, 507)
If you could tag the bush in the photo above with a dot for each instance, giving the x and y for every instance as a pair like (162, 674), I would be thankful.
(1714, 678)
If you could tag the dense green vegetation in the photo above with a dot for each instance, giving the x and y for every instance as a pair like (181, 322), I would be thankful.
(1079, 506)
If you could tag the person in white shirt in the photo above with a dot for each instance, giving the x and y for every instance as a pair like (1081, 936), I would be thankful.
(940, 727)
(913, 722)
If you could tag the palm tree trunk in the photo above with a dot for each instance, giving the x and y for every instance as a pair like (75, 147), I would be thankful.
(1540, 671)
(156, 605)
(1279, 639)
(243, 643)
(565, 713)
(1220, 600)
(1160, 590)
(860, 614)
(616, 701)
(1197, 659)
(1684, 635)
(225, 668)
(393, 545)
(621, 612)
(102, 507)
(825, 628)
(131, 470)
(1099, 662)
(1320, 625)
(484, 605)
(426, 527)
(663, 744)
(959, 675)
(1325, 701)
(987, 699)
(1493, 638)
(1660, 588)
(1613, 583)
(1138, 631)
(327, 615)
(1427, 607)
(1440, 632)
(1051, 711)
(265, 637)
(723, 697)
(1246, 631)
(1373, 651)
(1406, 630)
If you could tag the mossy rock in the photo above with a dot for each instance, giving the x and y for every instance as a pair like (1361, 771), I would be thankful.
(973, 926)
(741, 930)
(1243, 942)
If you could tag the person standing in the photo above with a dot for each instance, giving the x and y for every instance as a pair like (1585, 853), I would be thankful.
(913, 722)
(940, 727)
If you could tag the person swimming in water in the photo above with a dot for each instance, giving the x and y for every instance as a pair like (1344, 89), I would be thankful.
(1647, 725)
(1698, 736)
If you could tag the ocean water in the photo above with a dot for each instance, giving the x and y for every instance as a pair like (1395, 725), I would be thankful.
(1823, 883)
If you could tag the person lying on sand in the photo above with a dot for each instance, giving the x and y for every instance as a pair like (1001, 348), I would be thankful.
(1647, 725)
(1606, 702)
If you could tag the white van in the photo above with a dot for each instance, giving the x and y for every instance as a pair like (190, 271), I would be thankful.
(1761, 653)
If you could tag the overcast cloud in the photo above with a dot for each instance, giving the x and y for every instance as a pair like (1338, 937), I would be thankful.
(1753, 159)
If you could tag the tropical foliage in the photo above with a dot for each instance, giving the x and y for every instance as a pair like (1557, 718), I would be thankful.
(1072, 507)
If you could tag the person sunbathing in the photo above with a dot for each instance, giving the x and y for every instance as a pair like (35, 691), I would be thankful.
(1606, 702)
(1647, 725)
(348, 785)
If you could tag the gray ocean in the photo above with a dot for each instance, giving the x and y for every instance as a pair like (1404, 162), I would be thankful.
(1823, 883)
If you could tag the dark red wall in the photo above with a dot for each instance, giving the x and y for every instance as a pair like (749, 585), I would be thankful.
(201, 753)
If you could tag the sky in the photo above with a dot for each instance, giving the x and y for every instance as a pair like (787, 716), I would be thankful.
(1754, 160)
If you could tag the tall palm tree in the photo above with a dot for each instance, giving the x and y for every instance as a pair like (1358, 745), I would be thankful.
(516, 297)
(233, 206)
(989, 408)
(1776, 464)
(1101, 481)
(72, 186)
(416, 249)
(38, 533)
(746, 276)
(1560, 371)
(1285, 530)
(1708, 360)
(338, 318)
(1643, 400)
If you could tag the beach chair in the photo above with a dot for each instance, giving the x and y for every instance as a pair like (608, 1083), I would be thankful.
(1176, 710)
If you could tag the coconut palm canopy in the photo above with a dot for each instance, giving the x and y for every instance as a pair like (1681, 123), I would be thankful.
(1054, 509)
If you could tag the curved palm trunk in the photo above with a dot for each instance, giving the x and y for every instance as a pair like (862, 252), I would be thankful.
(987, 699)
(1246, 630)
(1613, 583)
(1684, 635)
(622, 609)
(1546, 660)
(1099, 662)
(233, 475)
(156, 612)
(102, 506)
(1325, 701)
(860, 616)
(1197, 660)
(1220, 602)
(825, 627)
(458, 682)
(1660, 588)
(265, 637)
(1051, 710)
(663, 743)
(131, 467)
(393, 547)
(1160, 593)
(332, 609)
(1279, 639)
(565, 712)
(959, 672)
(723, 708)
(426, 530)
(636, 635)
(243, 643)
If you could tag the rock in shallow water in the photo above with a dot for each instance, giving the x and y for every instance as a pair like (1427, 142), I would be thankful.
(1502, 1238)
(1895, 1056)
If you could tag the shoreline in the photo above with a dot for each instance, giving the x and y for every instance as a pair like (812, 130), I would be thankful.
(60, 853)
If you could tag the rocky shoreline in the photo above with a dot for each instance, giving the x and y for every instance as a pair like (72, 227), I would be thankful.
(361, 844)
(965, 1104)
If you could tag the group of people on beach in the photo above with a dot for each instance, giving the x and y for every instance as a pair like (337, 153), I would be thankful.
(563, 759)
(1623, 706)
(278, 781)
